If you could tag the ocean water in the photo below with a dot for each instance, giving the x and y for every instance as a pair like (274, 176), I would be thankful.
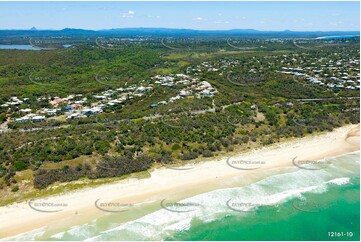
(340, 213)
(289, 204)
(337, 37)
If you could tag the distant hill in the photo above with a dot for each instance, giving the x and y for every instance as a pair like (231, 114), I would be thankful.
(168, 32)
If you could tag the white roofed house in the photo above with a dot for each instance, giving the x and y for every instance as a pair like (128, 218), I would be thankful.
(141, 89)
(91, 111)
(184, 93)
(167, 84)
(22, 120)
(205, 84)
(207, 93)
(314, 80)
(184, 82)
(162, 102)
(97, 110)
(75, 116)
(172, 99)
(102, 97)
(38, 118)
(30, 117)
(289, 105)
(52, 111)
(25, 110)
(87, 111)
(181, 75)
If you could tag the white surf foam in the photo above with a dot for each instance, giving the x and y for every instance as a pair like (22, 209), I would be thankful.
(270, 191)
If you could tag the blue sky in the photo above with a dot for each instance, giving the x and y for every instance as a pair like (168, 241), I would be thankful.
(306, 16)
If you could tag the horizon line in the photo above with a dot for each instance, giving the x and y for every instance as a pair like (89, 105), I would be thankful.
(96, 30)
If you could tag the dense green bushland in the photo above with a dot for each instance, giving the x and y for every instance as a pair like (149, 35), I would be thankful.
(132, 137)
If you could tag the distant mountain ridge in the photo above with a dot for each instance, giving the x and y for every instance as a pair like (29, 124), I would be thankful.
(168, 32)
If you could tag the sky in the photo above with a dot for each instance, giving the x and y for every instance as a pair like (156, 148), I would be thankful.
(297, 16)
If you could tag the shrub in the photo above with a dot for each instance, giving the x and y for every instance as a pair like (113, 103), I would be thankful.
(176, 147)
(189, 155)
(207, 153)
(15, 189)
(119, 166)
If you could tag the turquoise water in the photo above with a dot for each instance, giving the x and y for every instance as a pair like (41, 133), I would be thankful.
(18, 47)
(25, 47)
(288, 204)
(337, 37)
(284, 222)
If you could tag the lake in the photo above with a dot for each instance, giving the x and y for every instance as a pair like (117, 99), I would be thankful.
(25, 47)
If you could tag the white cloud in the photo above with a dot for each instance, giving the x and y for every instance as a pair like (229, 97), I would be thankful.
(151, 16)
(128, 14)
(221, 22)
(200, 19)
(336, 24)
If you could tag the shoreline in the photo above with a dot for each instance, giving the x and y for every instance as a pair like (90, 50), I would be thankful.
(18, 218)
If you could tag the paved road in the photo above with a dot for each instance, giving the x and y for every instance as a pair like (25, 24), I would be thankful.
(324, 99)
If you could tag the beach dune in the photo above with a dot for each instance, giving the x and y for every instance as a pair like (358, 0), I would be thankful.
(164, 182)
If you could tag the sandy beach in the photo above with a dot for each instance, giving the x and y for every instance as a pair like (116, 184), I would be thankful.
(80, 204)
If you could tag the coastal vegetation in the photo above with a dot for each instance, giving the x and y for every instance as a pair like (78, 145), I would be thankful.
(252, 103)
